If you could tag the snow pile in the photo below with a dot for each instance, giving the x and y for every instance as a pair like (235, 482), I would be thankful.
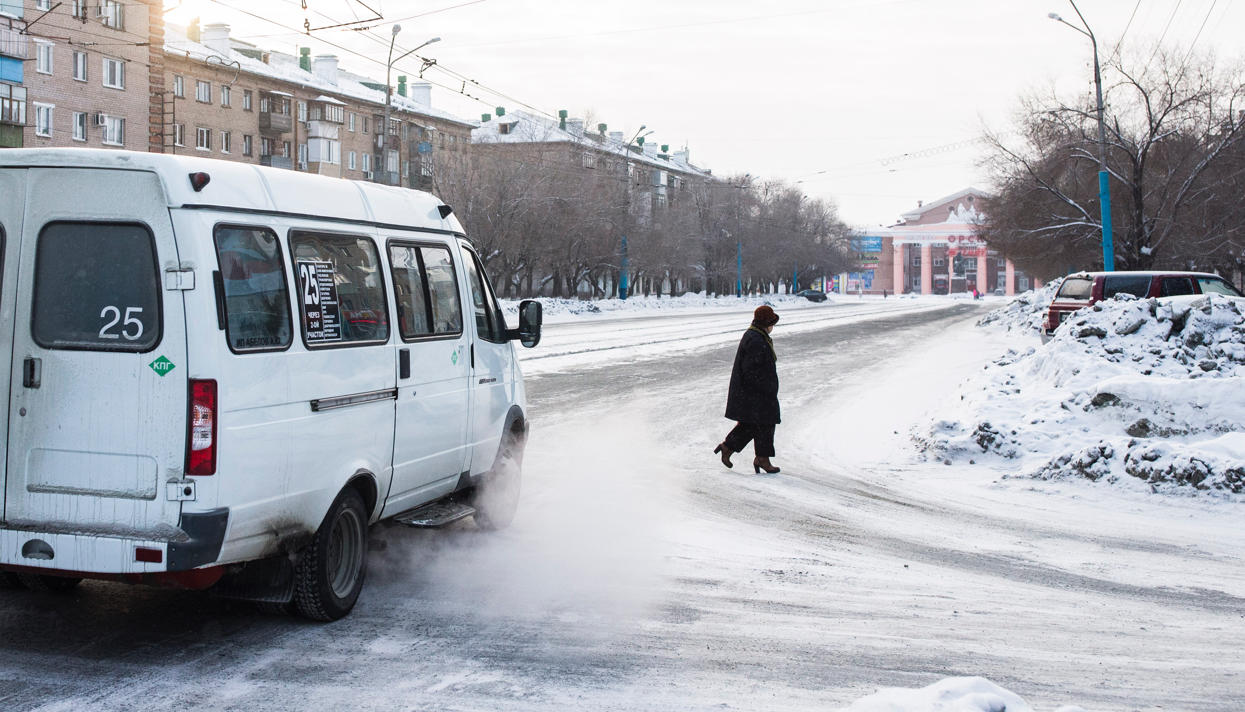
(954, 694)
(1150, 392)
(1024, 313)
(560, 309)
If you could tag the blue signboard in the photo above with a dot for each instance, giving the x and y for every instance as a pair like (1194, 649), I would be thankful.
(867, 244)
(424, 147)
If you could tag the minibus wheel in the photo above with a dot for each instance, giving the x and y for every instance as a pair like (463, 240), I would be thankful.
(496, 498)
(330, 572)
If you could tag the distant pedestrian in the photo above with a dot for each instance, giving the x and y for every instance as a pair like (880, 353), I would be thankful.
(753, 398)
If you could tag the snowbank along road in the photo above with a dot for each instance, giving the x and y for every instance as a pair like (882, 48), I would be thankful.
(642, 575)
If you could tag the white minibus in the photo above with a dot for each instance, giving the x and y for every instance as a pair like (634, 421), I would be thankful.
(222, 375)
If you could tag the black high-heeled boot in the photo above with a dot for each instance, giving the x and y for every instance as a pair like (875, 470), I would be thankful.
(726, 454)
(762, 463)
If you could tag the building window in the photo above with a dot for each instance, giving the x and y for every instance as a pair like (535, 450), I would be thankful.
(43, 119)
(114, 131)
(203, 91)
(43, 4)
(246, 99)
(225, 95)
(504, 128)
(179, 134)
(302, 111)
(226, 141)
(78, 9)
(12, 104)
(367, 163)
(285, 149)
(940, 262)
(43, 57)
(302, 155)
(364, 124)
(351, 161)
(179, 86)
(112, 12)
(203, 139)
(79, 125)
(350, 122)
(391, 161)
(79, 66)
(590, 160)
(916, 258)
(114, 73)
(247, 145)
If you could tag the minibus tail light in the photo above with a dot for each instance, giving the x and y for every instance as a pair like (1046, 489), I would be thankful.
(201, 438)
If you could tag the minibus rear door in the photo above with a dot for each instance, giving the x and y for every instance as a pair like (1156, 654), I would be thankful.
(98, 405)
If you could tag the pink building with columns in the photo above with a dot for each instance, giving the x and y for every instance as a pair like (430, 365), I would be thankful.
(936, 250)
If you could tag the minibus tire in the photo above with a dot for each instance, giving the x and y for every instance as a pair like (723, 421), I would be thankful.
(330, 572)
(48, 584)
(496, 498)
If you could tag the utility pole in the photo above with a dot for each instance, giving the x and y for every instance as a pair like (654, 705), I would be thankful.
(1104, 189)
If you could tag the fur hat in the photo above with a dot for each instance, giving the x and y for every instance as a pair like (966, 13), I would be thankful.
(764, 316)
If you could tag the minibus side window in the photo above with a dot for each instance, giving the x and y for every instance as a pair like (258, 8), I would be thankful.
(410, 292)
(96, 288)
(257, 307)
(447, 312)
(341, 289)
(487, 315)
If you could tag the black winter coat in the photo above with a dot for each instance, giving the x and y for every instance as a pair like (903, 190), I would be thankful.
(753, 397)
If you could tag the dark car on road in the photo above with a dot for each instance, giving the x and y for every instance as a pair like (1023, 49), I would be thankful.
(813, 295)
(1083, 289)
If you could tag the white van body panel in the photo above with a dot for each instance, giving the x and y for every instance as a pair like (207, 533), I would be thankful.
(12, 209)
(280, 460)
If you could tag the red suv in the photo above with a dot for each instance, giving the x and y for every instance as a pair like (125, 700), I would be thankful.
(1082, 289)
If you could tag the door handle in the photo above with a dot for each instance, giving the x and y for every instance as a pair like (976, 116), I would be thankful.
(32, 372)
(404, 363)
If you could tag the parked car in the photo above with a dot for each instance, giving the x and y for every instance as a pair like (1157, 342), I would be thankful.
(223, 374)
(813, 295)
(1083, 289)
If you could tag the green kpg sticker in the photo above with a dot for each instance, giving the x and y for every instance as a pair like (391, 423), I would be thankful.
(162, 366)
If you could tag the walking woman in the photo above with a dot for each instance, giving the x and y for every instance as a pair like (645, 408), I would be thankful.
(753, 398)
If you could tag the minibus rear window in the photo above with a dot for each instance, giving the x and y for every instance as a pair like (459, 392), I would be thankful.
(341, 289)
(96, 288)
(257, 307)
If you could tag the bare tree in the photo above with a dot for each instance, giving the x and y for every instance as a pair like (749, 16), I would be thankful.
(1174, 131)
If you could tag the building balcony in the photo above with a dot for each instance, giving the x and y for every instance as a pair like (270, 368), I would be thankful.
(273, 124)
(277, 162)
(14, 44)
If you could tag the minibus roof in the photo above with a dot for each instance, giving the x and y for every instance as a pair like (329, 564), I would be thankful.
(248, 187)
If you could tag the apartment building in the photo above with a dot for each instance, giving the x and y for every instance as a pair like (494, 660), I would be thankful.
(232, 100)
(657, 177)
(77, 73)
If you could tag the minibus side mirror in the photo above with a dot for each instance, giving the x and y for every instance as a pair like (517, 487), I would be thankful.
(531, 314)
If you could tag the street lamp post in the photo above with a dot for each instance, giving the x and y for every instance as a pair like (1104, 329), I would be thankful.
(1104, 190)
(624, 265)
(384, 132)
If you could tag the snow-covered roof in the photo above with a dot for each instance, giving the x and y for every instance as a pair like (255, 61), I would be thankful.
(284, 67)
(526, 127)
(246, 186)
(943, 201)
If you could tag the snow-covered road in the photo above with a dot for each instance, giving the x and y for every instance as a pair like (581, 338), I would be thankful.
(641, 575)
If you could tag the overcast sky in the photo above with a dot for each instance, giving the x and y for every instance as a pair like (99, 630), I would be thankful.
(832, 93)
